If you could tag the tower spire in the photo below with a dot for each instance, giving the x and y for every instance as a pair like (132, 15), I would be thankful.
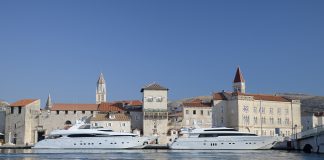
(49, 102)
(101, 89)
(239, 82)
(238, 76)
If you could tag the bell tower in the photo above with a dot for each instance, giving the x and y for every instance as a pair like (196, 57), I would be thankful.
(101, 92)
(239, 82)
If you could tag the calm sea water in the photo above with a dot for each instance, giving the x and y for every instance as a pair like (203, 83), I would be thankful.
(30, 154)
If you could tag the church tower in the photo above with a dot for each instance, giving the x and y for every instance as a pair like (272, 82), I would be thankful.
(101, 90)
(239, 82)
(48, 102)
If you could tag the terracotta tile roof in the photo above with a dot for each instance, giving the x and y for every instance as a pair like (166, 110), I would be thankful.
(75, 107)
(238, 76)
(135, 103)
(196, 103)
(265, 97)
(22, 102)
(129, 102)
(110, 107)
(105, 117)
(153, 86)
(219, 96)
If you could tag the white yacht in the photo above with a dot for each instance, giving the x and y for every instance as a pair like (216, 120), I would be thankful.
(81, 135)
(222, 138)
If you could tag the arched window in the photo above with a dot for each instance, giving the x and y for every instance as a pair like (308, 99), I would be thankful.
(67, 122)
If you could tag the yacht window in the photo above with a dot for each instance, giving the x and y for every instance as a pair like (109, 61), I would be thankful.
(226, 134)
(225, 129)
(87, 135)
(87, 126)
(106, 130)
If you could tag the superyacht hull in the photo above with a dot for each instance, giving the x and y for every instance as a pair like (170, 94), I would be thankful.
(120, 142)
(224, 143)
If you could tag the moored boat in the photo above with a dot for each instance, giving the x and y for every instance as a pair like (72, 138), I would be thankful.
(223, 138)
(81, 135)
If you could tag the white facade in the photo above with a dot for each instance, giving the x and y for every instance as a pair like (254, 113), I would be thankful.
(260, 116)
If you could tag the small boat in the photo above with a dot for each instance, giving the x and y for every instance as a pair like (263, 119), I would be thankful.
(81, 135)
(222, 138)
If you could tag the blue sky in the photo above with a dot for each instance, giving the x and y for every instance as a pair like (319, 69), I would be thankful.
(191, 47)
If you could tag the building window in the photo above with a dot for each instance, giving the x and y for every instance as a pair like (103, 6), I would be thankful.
(91, 112)
(83, 112)
(279, 111)
(187, 111)
(149, 99)
(255, 110)
(271, 120)
(279, 120)
(123, 124)
(246, 119)
(194, 112)
(271, 111)
(136, 118)
(74, 112)
(222, 109)
(202, 112)
(255, 120)
(208, 113)
(66, 112)
(287, 111)
(19, 110)
(158, 99)
(57, 112)
(12, 110)
(109, 125)
(263, 120)
(96, 124)
(262, 110)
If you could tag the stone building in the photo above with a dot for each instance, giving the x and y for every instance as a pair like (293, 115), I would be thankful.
(3, 107)
(256, 113)
(21, 122)
(64, 113)
(118, 122)
(197, 114)
(155, 114)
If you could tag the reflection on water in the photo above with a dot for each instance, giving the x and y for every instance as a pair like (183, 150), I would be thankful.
(31, 154)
